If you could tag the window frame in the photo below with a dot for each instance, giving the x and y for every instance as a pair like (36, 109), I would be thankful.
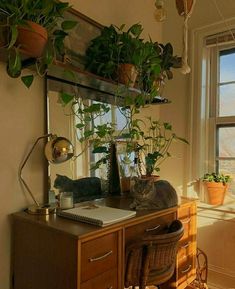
(200, 154)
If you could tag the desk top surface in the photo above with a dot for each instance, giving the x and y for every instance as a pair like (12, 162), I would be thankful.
(81, 230)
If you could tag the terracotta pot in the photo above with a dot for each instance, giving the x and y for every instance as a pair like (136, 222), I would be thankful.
(32, 40)
(215, 192)
(127, 74)
(180, 6)
(125, 184)
(152, 177)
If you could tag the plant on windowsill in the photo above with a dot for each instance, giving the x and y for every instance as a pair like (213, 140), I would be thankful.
(32, 29)
(216, 187)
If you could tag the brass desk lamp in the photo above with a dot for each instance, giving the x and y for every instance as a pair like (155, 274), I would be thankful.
(57, 150)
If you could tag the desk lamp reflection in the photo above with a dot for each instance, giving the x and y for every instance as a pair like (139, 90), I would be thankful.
(57, 150)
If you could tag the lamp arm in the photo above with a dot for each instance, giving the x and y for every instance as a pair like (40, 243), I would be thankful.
(24, 163)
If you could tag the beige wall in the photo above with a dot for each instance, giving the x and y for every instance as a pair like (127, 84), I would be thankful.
(22, 121)
(22, 118)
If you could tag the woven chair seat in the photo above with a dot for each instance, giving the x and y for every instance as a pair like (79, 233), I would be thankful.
(151, 260)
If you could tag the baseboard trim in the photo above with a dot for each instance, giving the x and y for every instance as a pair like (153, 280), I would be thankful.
(220, 279)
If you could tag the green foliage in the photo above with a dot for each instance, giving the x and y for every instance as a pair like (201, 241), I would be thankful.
(152, 143)
(152, 60)
(218, 178)
(112, 47)
(43, 12)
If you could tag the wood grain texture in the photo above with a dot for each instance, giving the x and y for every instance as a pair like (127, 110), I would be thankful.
(53, 252)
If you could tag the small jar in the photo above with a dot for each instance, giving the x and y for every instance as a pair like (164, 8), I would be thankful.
(66, 200)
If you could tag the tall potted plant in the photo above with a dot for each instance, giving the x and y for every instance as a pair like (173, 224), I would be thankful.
(33, 30)
(216, 187)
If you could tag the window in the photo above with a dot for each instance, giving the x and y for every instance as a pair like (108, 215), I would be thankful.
(221, 67)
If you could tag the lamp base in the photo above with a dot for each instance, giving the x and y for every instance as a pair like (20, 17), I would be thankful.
(44, 209)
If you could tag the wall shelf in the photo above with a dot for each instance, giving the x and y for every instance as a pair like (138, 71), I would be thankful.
(90, 86)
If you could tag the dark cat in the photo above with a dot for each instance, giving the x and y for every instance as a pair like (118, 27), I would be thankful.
(149, 195)
(84, 189)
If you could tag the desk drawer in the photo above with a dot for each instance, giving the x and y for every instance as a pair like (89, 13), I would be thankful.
(186, 268)
(186, 248)
(107, 280)
(98, 255)
(185, 215)
(152, 226)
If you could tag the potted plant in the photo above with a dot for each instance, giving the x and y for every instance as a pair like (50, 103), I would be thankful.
(155, 73)
(33, 30)
(115, 50)
(216, 187)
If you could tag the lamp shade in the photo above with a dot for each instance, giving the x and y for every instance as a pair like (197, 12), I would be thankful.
(58, 150)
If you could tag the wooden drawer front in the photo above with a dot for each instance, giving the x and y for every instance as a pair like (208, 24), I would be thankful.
(186, 269)
(98, 255)
(185, 215)
(155, 225)
(186, 248)
(107, 280)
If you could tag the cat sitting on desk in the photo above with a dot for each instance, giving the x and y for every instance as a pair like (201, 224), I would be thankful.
(84, 189)
(149, 195)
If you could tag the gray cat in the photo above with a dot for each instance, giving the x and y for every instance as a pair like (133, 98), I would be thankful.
(84, 189)
(149, 195)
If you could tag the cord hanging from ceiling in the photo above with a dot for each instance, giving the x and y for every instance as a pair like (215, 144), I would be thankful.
(185, 9)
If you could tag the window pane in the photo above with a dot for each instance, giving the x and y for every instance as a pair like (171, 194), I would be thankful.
(227, 100)
(227, 64)
(227, 167)
(120, 119)
(226, 141)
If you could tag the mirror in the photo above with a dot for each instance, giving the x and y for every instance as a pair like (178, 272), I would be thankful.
(62, 121)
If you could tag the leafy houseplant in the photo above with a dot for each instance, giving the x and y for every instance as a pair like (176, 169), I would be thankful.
(113, 48)
(19, 18)
(216, 187)
(153, 147)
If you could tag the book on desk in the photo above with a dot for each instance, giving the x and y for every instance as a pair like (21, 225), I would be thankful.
(97, 215)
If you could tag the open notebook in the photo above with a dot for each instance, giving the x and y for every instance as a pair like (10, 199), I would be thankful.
(97, 215)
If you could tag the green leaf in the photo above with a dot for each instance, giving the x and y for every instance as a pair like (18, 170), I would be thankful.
(68, 24)
(14, 35)
(27, 80)
(14, 63)
(66, 98)
(167, 126)
(80, 125)
(100, 149)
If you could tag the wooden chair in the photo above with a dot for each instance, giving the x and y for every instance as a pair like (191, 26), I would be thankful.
(151, 261)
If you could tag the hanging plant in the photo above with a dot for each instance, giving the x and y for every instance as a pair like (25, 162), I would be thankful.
(33, 30)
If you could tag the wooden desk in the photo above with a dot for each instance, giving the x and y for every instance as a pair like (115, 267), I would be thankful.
(50, 252)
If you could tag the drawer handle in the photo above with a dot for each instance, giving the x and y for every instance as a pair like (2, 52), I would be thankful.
(101, 257)
(152, 229)
(185, 245)
(187, 269)
(186, 221)
(111, 287)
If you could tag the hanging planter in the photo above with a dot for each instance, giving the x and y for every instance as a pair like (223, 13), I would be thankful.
(32, 39)
(184, 6)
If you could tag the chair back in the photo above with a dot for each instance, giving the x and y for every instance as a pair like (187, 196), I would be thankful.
(151, 260)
